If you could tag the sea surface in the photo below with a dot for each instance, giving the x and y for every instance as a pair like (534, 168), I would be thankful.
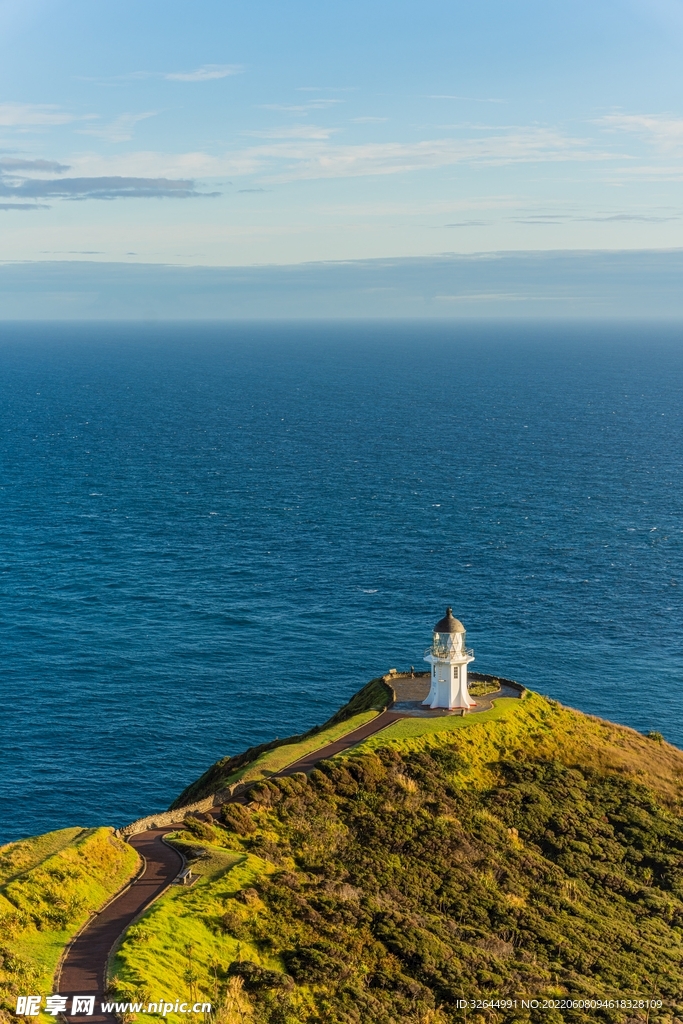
(213, 535)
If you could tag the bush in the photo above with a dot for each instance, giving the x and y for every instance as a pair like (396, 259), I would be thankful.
(238, 818)
(199, 829)
(313, 963)
(232, 924)
(256, 978)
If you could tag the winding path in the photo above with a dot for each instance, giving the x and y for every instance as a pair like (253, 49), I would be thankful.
(308, 762)
(84, 967)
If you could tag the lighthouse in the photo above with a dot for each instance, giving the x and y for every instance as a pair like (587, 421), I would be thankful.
(449, 658)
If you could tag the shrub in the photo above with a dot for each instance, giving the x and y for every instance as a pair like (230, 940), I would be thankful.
(237, 817)
(199, 829)
(256, 978)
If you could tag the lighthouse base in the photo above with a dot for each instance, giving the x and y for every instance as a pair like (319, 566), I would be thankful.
(448, 687)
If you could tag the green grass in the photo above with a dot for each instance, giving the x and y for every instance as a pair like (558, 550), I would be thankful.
(508, 850)
(515, 727)
(18, 858)
(207, 861)
(214, 864)
(281, 757)
(409, 728)
(52, 883)
(174, 950)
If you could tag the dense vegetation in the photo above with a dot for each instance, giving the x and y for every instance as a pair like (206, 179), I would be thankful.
(49, 885)
(554, 881)
(536, 856)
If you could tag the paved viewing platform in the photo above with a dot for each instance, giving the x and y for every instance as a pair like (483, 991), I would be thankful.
(412, 690)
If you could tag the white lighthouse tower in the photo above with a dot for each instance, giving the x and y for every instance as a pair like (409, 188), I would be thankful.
(449, 658)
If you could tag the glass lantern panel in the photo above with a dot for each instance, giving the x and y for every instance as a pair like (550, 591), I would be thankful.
(448, 642)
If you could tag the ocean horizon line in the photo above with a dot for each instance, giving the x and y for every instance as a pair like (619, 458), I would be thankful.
(577, 285)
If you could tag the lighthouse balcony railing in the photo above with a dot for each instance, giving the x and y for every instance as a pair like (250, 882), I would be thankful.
(441, 651)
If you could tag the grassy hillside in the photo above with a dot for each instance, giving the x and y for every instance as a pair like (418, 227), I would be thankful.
(49, 886)
(530, 852)
(259, 762)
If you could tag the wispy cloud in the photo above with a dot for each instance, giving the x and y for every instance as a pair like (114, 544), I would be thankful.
(301, 108)
(463, 209)
(280, 157)
(16, 164)
(24, 206)
(466, 224)
(118, 130)
(13, 173)
(466, 99)
(471, 297)
(646, 218)
(533, 145)
(31, 115)
(296, 152)
(297, 131)
(327, 88)
(552, 219)
(15, 184)
(194, 164)
(542, 218)
(662, 129)
(206, 73)
(658, 171)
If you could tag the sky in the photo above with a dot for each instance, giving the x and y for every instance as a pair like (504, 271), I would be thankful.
(229, 134)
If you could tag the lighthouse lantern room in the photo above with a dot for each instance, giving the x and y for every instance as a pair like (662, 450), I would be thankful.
(449, 658)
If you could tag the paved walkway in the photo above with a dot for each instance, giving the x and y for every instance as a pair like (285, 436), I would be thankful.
(308, 762)
(84, 967)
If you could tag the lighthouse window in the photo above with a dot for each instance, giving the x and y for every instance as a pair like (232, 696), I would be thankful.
(455, 672)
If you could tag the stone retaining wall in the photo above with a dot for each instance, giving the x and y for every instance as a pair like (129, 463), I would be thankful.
(176, 817)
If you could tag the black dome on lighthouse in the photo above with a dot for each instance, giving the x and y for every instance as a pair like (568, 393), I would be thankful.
(449, 624)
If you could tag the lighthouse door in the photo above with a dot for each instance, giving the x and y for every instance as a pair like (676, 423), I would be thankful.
(443, 685)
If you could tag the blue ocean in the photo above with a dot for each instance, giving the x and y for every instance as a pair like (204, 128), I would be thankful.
(213, 535)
